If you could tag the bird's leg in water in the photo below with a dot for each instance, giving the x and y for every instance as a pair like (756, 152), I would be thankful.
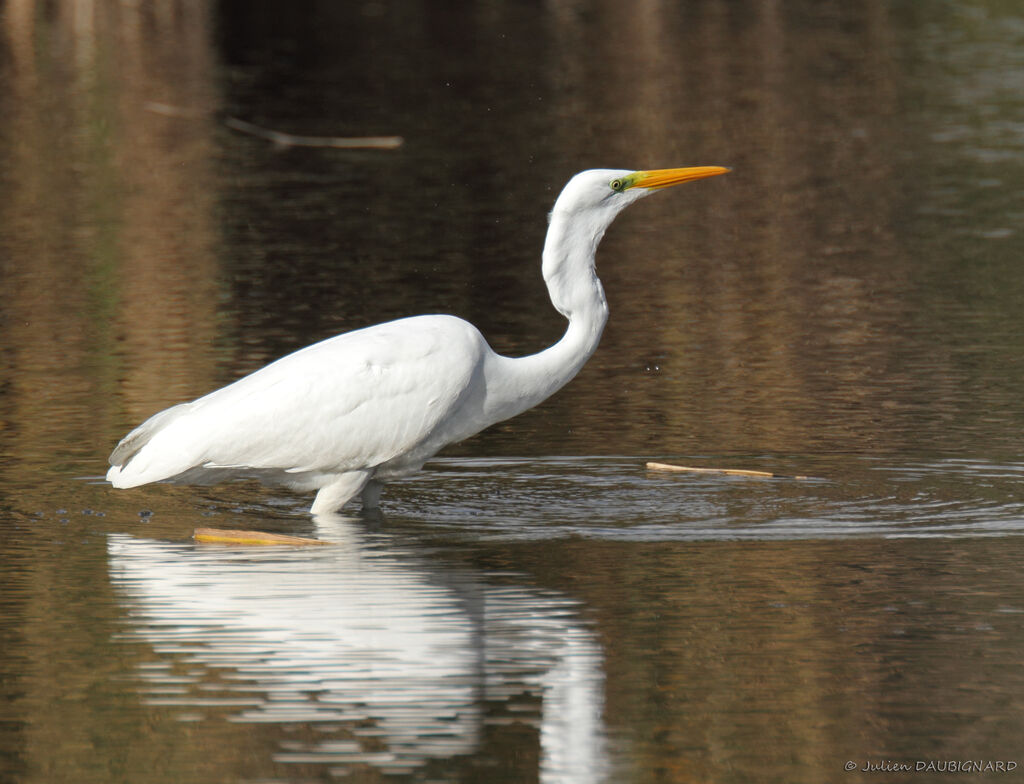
(371, 494)
(332, 497)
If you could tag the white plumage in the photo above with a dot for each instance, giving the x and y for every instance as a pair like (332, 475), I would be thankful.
(349, 413)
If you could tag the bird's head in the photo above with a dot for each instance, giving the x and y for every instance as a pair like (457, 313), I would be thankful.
(608, 191)
(584, 209)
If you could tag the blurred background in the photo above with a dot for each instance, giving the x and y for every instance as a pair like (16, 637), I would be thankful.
(847, 303)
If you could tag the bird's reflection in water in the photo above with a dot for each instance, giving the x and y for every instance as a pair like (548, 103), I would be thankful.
(408, 661)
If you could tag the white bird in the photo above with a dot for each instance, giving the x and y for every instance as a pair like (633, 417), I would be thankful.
(352, 412)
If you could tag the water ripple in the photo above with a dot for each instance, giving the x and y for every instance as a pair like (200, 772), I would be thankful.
(616, 499)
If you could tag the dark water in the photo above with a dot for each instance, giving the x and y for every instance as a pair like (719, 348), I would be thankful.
(846, 305)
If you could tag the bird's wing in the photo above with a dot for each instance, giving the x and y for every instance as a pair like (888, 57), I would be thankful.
(354, 401)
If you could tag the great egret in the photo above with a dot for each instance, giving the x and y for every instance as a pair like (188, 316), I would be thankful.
(352, 412)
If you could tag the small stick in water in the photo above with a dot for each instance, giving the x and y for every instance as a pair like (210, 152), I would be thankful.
(292, 140)
(725, 471)
(281, 138)
(222, 536)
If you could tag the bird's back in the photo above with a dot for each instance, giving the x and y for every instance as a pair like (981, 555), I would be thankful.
(381, 396)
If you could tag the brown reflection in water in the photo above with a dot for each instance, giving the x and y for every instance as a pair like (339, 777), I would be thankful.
(168, 276)
(781, 661)
(107, 213)
(108, 208)
(762, 312)
(766, 300)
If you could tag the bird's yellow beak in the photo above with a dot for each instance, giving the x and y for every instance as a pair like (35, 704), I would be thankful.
(663, 178)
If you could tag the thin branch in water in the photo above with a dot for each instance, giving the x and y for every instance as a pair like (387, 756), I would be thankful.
(223, 536)
(722, 471)
(281, 138)
(292, 140)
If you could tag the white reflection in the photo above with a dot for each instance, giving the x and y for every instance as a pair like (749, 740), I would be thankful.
(397, 661)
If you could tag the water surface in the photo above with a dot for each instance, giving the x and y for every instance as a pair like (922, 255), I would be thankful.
(846, 305)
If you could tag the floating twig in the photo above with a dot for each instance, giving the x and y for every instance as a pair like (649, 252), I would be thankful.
(282, 138)
(292, 140)
(222, 536)
(725, 471)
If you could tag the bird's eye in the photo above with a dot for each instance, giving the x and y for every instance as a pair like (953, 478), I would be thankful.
(618, 185)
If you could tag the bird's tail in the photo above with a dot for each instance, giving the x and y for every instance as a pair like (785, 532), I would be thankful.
(128, 466)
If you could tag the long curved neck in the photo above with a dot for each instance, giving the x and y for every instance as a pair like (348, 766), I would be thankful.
(576, 292)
